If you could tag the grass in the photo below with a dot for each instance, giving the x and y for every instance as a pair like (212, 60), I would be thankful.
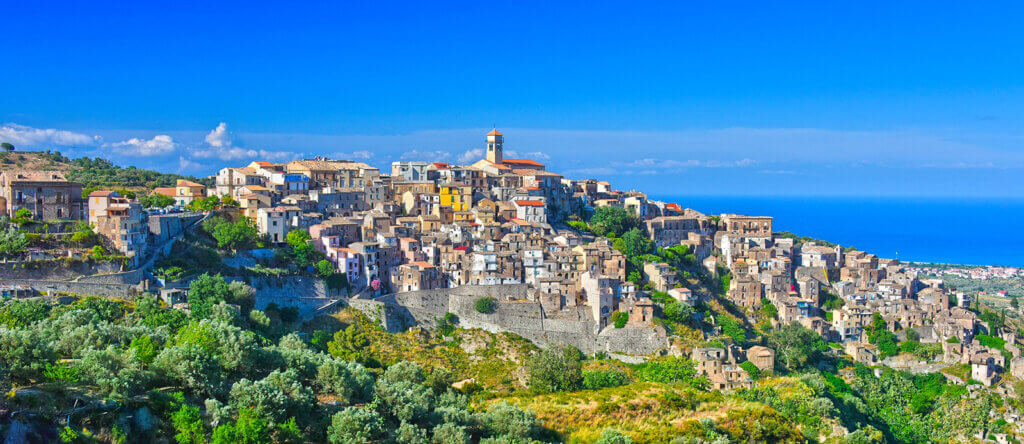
(647, 412)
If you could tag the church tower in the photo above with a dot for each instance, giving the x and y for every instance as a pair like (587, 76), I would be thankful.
(494, 141)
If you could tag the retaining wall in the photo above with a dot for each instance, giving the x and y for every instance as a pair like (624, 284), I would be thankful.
(53, 270)
(124, 291)
(513, 313)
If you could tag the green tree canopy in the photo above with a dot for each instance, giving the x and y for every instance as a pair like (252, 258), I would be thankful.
(557, 370)
(795, 344)
(613, 221)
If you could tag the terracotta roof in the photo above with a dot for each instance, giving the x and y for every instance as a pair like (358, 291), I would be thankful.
(263, 163)
(422, 264)
(189, 183)
(101, 193)
(529, 203)
(441, 165)
(494, 132)
(531, 188)
(165, 191)
(515, 162)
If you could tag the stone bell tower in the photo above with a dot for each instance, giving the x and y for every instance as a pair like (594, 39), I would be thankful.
(494, 141)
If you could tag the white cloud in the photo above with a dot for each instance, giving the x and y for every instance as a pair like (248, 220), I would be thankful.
(513, 154)
(356, 155)
(221, 144)
(429, 156)
(158, 145)
(471, 156)
(220, 137)
(21, 135)
(238, 153)
(187, 165)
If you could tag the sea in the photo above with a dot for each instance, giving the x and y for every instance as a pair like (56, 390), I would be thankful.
(975, 231)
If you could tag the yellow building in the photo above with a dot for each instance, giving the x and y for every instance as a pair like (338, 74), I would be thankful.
(455, 197)
(186, 191)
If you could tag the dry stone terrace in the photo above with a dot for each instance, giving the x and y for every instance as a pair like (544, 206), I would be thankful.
(428, 238)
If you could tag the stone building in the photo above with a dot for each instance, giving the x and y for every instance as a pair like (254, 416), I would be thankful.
(745, 291)
(121, 220)
(762, 357)
(418, 276)
(748, 226)
(667, 231)
(661, 275)
(49, 195)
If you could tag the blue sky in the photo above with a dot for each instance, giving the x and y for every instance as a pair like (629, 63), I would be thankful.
(749, 98)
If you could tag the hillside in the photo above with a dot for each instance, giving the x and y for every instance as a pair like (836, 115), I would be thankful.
(92, 172)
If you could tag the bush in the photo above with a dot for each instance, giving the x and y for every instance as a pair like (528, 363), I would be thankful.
(678, 312)
(485, 305)
(619, 319)
(602, 378)
(672, 369)
(556, 370)
(732, 328)
(612, 436)
(751, 369)
(510, 422)
(355, 424)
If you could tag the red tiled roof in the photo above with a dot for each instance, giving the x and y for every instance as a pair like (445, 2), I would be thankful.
(494, 132)
(423, 264)
(100, 193)
(529, 203)
(441, 165)
(170, 192)
(263, 163)
(531, 188)
(522, 162)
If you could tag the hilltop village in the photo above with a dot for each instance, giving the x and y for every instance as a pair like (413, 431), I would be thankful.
(505, 245)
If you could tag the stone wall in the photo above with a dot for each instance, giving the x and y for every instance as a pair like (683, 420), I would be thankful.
(513, 313)
(305, 293)
(54, 270)
(124, 291)
(132, 277)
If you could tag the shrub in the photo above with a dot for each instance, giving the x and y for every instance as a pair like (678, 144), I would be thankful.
(601, 378)
(355, 424)
(751, 369)
(672, 369)
(510, 422)
(678, 312)
(485, 305)
(612, 436)
(620, 318)
(556, 370)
